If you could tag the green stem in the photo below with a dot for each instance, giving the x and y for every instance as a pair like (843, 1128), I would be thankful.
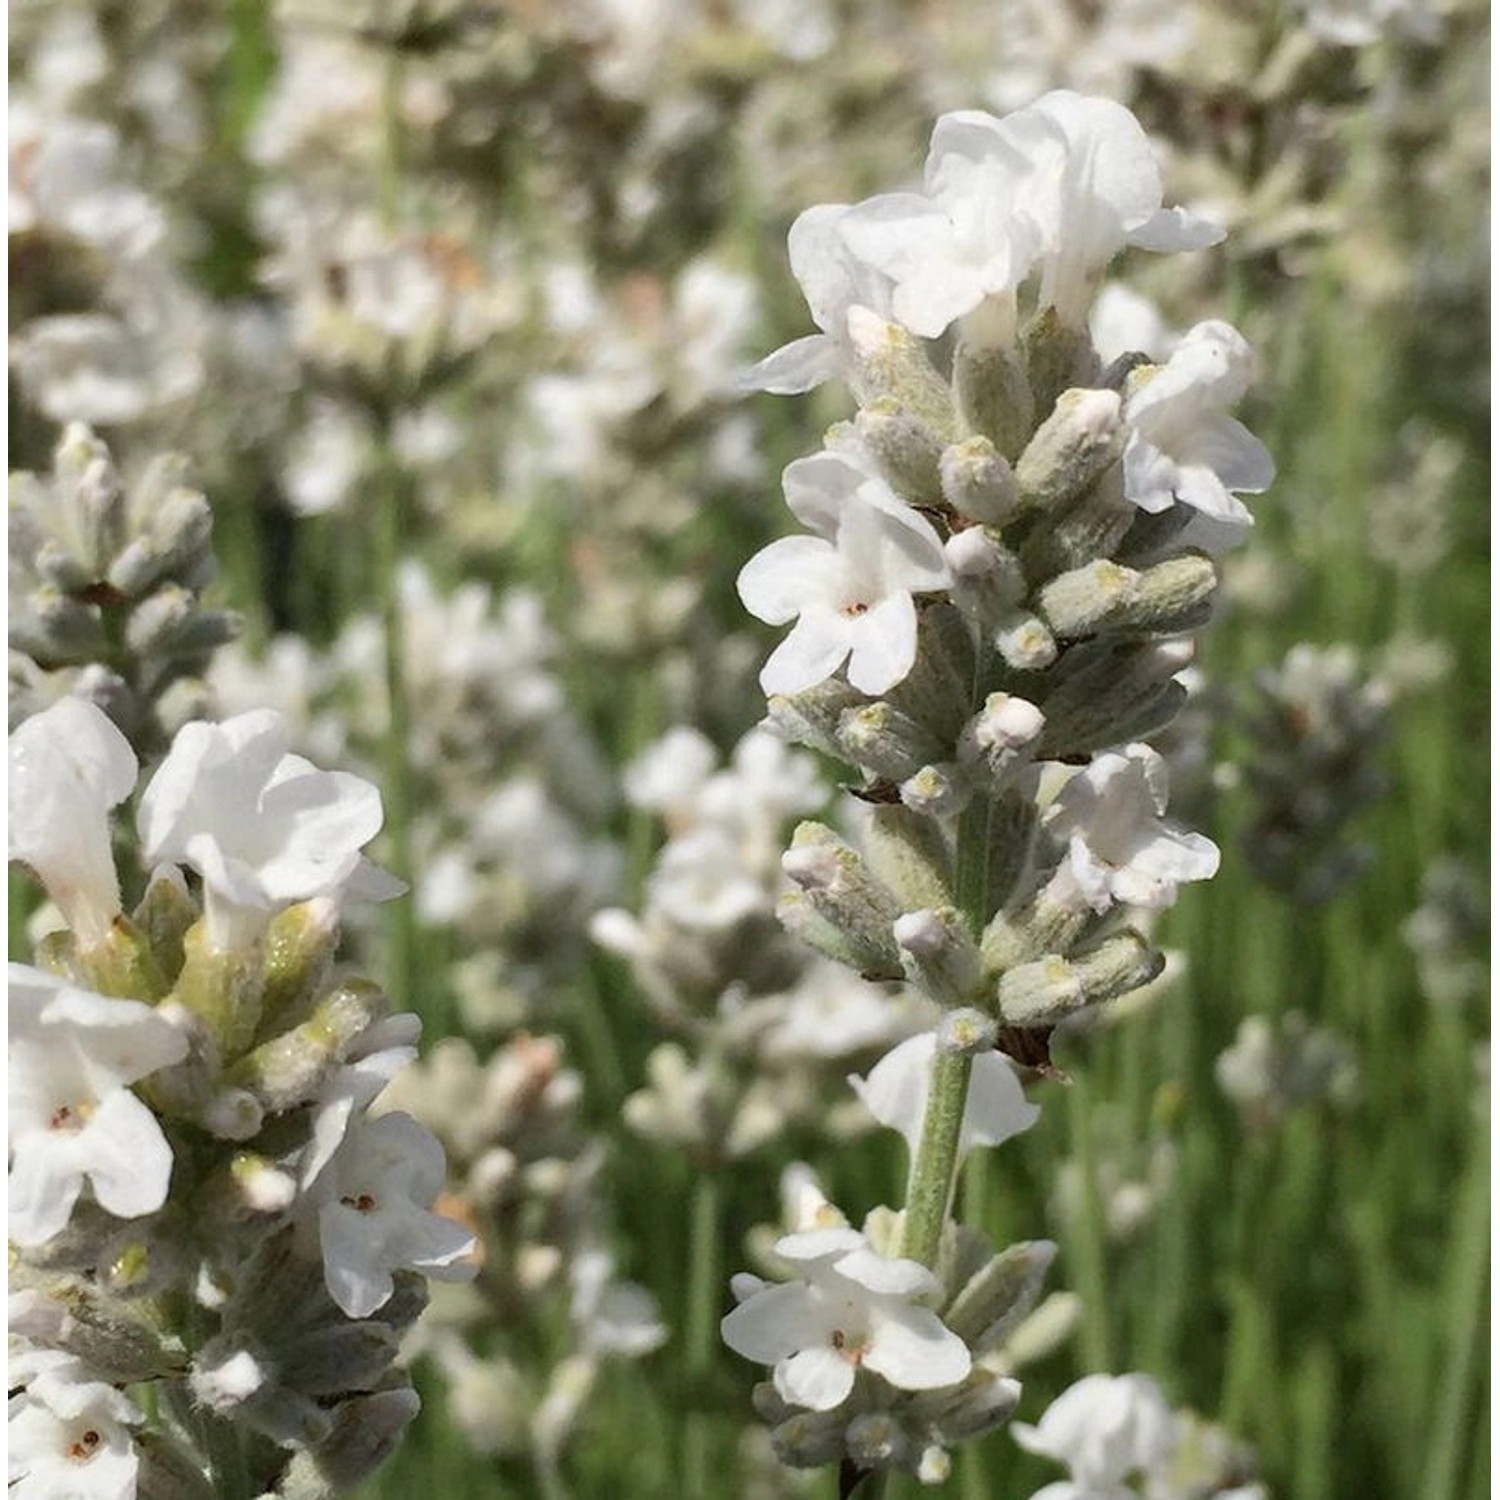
(931, 1183)
(401, 928)
(1468, 1268)
(1087, 1240)
(703, 1275)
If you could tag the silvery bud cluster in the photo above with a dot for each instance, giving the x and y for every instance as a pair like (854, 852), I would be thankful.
(1318, 725)
(202, 1207)
(106, 582)
(1010, 547)
(1003, 559)
(526, 1177)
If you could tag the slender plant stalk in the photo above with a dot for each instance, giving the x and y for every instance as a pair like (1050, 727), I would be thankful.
(1468, 1269)
(401, 927)
(703, 1274)
(931, 1183)
(1087, 1241)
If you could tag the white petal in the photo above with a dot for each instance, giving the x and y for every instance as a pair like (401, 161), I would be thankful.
(883, 645)
(1171, 229)
(819, 488)
(1239, 459)
(912, 1348)
(940, 293)
(814, 650)
(819, 1378)
(130, 1162)
(794, 368)
(773, 1323)
(783, 578)
(41, 1190)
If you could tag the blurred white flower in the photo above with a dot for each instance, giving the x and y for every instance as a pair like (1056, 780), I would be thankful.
(849, 587)
(71, 1115)
(1103, 1428)
(1119, 847)
(68, 766)
(851, 1309)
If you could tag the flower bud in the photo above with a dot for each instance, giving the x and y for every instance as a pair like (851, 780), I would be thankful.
(998, 1295)
(910, 855)
(881, 739)
(905, 449)
(939, 956)
(289, 1069)
(987, 579)
(841, 889)
(1174, 596)
(1058, 356)
(812, 717)
(1075, 604)
(993, 394)
(893, 363)
(1001, 734)
(1025, 643)
(941, 791)
(1040, 993)
(1071, 449)
(977, 482)
(1108, 693)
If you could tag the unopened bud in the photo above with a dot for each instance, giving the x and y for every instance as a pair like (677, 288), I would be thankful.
(1001, 735)
(1040, 993)
(904, 448)
(812, 717)
(1075, 604)
(995, 1299)
(939, 791)
(891, 362)
(910, 855)
(993, 394)
(987, 579)
(1071, 449)
(939, 956)
(977, 482)
(841, 889)
(880, 738)
(1025, 643)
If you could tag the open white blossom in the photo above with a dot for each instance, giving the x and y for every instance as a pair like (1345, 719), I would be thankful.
(833, 279)
(851, 1309)
(71, 1114)
(1103, 1427)
(374, 1199)
(1119, 847)
(973, 234)
(67, 1436)
(264, 828)
(896, 1090)
(1183, 447)
(68, 766)
(849, 587)
(1060, 186)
